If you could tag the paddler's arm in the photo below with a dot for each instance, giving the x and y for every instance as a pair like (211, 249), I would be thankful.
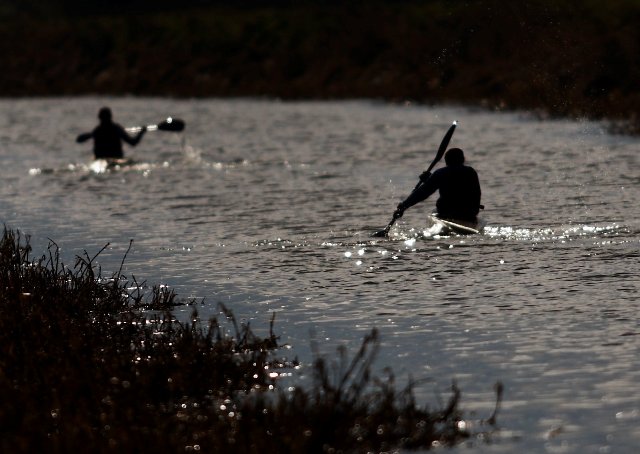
(84, 137)
(133, 141)
(429, 186)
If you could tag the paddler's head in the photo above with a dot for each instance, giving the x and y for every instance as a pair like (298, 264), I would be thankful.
(454, 157)
(105, 115)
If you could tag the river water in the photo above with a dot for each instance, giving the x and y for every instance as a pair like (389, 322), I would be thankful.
(269, 206)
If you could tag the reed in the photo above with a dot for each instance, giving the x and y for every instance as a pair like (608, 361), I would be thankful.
(95, 364)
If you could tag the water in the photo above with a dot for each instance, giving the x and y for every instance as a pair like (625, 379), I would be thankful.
(269, 206)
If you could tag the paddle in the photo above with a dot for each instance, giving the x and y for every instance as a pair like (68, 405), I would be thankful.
(443, 147)
(170, 124)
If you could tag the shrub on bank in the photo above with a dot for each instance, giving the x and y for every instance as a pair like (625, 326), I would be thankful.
(94, 364)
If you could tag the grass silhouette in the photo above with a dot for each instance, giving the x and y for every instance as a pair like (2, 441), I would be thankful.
(95, 364)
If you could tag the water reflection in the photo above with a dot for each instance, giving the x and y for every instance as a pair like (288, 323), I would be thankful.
(269, 207)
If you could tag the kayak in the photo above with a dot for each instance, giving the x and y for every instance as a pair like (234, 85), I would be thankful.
(97, 166)
(458, 226)
(103, 165)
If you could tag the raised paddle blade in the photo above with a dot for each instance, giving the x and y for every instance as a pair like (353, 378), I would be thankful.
(440, 153)
(171, 124)
(443, 145)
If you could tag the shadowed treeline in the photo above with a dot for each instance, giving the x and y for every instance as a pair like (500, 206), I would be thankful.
(573, 57)
(84, 369)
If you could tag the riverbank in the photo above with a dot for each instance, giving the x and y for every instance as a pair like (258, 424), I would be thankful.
(94, 364)
(573, 58)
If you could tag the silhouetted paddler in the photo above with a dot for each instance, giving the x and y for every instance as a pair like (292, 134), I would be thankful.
(108, 137)
(459, 188)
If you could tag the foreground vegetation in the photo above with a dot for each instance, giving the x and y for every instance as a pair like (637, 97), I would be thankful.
(570, 57)
(84, 367)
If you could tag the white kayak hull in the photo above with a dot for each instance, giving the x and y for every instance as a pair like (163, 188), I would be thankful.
(459, 226)
(103, 165)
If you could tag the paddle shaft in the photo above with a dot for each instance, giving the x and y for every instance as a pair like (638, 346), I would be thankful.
(170, 124)
(441, 149)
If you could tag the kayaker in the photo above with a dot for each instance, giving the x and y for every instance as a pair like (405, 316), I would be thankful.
(108, 137)
(458, 185)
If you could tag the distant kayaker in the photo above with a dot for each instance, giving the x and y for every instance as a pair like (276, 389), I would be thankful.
(108, 137)
(458, 185)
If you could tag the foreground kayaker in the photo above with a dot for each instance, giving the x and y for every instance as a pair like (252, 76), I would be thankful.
(108, 137)
(459, 188)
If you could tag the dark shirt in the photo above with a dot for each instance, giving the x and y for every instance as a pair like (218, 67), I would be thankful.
(107, 140)
(459, 192)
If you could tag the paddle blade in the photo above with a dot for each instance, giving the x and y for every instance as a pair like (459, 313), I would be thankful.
(446, 139)
(380, 233)
(385, 232)
(443, 145)
(171, 124)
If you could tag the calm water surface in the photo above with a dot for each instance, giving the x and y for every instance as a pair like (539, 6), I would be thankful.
(269, 206)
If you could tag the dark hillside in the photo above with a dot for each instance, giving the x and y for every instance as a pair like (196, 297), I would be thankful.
(576, 58)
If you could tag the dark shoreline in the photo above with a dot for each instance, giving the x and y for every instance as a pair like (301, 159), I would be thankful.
(561, 59)
(95, 364)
